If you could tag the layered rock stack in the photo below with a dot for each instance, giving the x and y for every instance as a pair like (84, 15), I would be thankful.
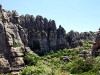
(12, 39)
(43, 35)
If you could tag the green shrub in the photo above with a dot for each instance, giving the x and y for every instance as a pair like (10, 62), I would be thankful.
(97, 60)
(79, 66)
(37, 70)
(56, 63)
(96, 65)
(50, 63)
(16, 45)
(95, 68)
(6, 74)
(89, 73)
(30, 59)
(90, 42)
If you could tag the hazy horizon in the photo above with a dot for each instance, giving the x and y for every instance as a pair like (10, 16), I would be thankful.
(77, 15)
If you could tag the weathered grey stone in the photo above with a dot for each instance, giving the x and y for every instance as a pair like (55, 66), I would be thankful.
(11, 58)
(61, 38)
(0, 8)
(16, 52)
(85, 54)
(4, 65)
(65, 59)
(74, 38)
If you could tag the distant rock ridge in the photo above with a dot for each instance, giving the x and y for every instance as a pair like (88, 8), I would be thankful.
(44, 36)
(27, 33)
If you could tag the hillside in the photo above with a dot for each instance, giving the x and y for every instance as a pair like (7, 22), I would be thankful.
(62, 62)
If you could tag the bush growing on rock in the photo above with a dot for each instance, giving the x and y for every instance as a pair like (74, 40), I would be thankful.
(16, 45)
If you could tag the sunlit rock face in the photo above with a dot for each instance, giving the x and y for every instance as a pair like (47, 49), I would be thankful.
(12, 39)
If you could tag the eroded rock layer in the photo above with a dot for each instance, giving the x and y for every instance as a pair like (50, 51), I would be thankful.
(13, 41)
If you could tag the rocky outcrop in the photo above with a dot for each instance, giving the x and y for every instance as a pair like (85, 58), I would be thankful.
(20, 33)
(75, 38)
(65, 59)
(84, 54)
(43, 35)
(96, 45)
(12, 39)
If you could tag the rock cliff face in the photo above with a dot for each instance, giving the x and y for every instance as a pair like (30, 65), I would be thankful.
(13, 40)
(44, 36)
(22, 33)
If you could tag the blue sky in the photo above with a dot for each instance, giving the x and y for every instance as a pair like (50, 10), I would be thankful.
(77, 15)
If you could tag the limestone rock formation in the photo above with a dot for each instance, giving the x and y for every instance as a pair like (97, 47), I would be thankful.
(28, 34)
(84, 54)
(43, 35)
(74, 38)
(18, 33)
(12, 39)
